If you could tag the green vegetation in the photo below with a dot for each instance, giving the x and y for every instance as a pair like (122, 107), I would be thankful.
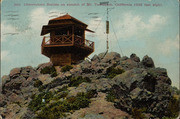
(48, 105)
(111, 96)
(41, 88)
(75, 81)
(175, 90)
(168, 118)
(37, 100)
(60, 95)
(38, 83)
(49, 70)
(58, 109)
(66, 68)
(111, 72)
(63, 89)
(173, 107)
(138, 113)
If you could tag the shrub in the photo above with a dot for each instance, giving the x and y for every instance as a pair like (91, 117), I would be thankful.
(168, 118)
(138, 113)
(91, 94)
(66, 68)
(51, 112)
(111, 96)
(38, 83)
(62, 94)
(81, 101)
(111, 72)
(175, 90)
(75, 81)
(36, 102)
(41, 88)
(49, 70)
(173, 107)
(59, 108)
(63, 89)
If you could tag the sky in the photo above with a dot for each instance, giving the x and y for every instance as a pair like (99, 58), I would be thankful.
(143, 27)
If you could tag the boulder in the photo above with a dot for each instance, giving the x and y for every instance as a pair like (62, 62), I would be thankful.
(134, 58)
(109, 57)
(131, 78)
(139, 86)
(123, 100)
(14, 73)
(41, 66)
(124, 58)
(160, 74)
(147, 62)
(14, 85)
(4, 80)
(3, 100)
(129, 64)
(45, 78)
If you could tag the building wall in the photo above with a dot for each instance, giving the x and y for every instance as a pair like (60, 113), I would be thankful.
(61, 59)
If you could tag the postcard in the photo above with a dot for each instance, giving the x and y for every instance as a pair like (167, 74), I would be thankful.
(67, 32)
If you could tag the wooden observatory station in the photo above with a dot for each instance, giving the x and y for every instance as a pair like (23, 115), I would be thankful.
(66, 44)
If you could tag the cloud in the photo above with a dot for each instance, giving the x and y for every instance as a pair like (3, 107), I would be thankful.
(169, 45)
(6, 29)
(155, 23)
(98, 26)
(134, 25)
(38, 18)
(4, 55)
(128, 26)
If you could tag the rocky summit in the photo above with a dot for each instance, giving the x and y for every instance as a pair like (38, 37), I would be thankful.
(105, 87)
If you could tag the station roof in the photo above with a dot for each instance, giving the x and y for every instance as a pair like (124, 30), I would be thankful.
(62, 21)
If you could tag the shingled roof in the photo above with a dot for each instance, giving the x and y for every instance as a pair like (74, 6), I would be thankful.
(67, 17)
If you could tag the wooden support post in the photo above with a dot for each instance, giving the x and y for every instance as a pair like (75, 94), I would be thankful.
(83, 37)
(52, 35)
(73, 35)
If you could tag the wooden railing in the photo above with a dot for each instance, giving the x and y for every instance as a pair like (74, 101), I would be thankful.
(67, 40)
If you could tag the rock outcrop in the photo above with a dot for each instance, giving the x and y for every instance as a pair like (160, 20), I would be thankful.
(107, 87)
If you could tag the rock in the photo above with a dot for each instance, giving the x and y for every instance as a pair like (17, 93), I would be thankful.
(45, 78)
(101, 55)
(92, 116)
(99, 107)
(109, 57)
(160, 74)
(27, 114)
(129, 64)
(135, 92)
(11, 111)
(102, 84)
(2, 100)
(41, 66)
(56, 89)
(142, 98)
(14, 85)
(130, 78)
(135, 58)
(14, 73)
(124, 58)
(73, 91)
(5, 79)
(95, 58)
(140, 85)
(123, 100)
(147, 62)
